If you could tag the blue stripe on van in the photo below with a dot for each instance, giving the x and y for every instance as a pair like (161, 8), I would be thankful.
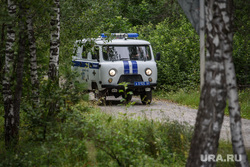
(126, 67)
(135, 67)
(86, 64)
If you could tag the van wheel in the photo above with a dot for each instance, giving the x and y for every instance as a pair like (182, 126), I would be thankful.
(102, 100)
(100, 97)
(146, 97)
(128, 98)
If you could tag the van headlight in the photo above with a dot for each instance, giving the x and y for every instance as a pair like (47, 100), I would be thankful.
(148, 71)
(112, 72)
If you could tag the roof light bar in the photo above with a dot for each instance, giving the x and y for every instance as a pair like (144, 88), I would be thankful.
(121, 35)
(133, 35)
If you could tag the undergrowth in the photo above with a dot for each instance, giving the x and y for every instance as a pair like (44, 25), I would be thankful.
(84, 136)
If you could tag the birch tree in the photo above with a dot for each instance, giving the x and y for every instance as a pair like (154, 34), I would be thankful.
(220, 83)
(2, 50)
(232, 93)
(3, 12)
(54, 40)
(33, 59)
(54, 52)
(11, 123)
(19, 66)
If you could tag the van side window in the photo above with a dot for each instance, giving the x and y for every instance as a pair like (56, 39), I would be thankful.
(78, 50)
(95, 54)
(84, 52)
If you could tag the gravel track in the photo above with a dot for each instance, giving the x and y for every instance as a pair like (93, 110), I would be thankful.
(161, 110)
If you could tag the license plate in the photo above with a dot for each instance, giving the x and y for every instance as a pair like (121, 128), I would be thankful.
(141, 83)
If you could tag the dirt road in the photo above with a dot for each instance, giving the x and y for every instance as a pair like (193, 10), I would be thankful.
(162, 110)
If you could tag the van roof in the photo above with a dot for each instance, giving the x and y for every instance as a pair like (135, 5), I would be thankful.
(101, 41)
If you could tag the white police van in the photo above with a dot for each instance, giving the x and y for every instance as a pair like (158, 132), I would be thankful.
(113, 64)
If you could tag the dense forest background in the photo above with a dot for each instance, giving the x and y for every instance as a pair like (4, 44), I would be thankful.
(161, 22)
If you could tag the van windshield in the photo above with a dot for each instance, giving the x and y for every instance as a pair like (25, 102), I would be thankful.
(133, 52)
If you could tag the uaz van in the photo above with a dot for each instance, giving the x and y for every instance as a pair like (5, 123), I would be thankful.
(115, 64)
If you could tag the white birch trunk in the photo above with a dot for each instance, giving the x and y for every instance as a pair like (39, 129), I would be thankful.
(33, 60)
(219, 65)
(8, 71)
(2, 48)
(232, 93)
(234, 110)
(54, 40)
(213, 96)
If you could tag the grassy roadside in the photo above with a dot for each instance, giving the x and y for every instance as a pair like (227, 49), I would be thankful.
(84, 136)
(192, 98)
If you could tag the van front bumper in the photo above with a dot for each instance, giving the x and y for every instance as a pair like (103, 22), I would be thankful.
(130, 86)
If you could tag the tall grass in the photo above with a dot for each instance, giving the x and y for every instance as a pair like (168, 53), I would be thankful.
(244, 99)
(191, 99)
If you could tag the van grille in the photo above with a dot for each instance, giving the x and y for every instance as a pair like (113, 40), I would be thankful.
(130, 78)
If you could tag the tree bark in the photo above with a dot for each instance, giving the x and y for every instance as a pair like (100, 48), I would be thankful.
(213, 96)
(232, 93)
(19, 68)
(33, 60)
(54, 41)
(220, 81)
(11, 126)
(2, 48)
(54, 53)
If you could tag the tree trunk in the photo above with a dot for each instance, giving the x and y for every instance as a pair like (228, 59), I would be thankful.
(11, 126)
(232, 93)
(213, 96)
(33, 60)
(19, 68)
(54, 41)
(219, 71)
(54, 54)
(234, 110)
(2, 48)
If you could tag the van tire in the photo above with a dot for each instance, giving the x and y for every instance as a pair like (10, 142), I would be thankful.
(146, 97)
(101, 97)
(128, 98)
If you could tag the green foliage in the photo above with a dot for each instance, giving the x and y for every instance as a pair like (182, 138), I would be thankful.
(242, 43)
(40, 119)
(242, 59)
(125, 141)
(141, 12)
(244, 103)
(62, 146)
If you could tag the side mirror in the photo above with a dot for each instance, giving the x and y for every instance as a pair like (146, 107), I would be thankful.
(158, 56)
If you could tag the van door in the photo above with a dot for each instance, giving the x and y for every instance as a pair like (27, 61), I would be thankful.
(94, 75)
